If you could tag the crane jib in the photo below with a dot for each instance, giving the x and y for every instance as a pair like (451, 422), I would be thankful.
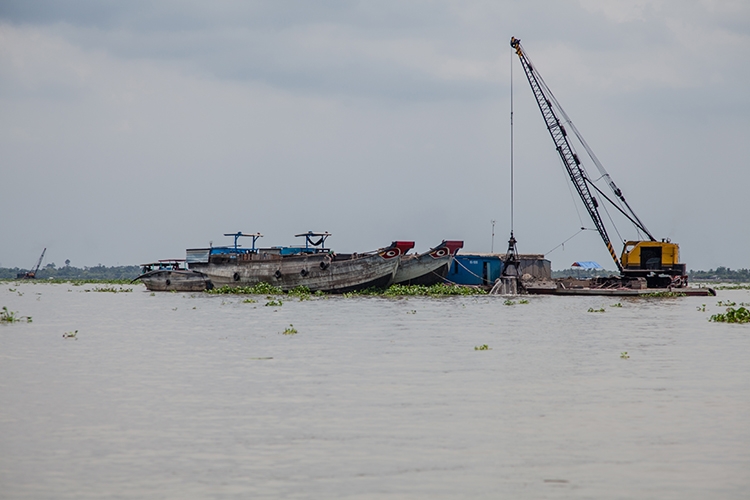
(564, 149)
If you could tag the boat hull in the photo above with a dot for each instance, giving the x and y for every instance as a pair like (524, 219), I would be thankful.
(428, 268)
(165, 280)
(318, 272)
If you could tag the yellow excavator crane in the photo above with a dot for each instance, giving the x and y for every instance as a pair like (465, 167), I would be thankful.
(655, 261)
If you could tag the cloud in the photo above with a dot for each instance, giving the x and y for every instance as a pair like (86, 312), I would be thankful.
(374, 121)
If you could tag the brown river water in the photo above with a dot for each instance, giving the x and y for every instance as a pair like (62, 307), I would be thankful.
(192, 396)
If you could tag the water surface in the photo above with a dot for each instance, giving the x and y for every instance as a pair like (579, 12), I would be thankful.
(178, 395)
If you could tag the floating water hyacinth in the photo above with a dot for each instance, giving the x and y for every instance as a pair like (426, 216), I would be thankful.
(7, 316)
(732, 315)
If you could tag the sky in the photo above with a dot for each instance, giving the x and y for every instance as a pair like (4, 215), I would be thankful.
(130, 131)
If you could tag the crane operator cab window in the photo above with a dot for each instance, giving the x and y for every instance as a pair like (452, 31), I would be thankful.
(650, 257)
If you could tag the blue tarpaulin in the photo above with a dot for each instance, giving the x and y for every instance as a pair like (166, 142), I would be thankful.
(587, 264)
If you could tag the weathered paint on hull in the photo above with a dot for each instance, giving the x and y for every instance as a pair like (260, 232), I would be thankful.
(422, 270)
(427, 268)
(318, 272)
(178, 281)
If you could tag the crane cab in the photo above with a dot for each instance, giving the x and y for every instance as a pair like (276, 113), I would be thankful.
(657, 261)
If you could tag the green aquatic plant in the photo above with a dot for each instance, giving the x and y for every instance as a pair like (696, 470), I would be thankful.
(726, 303)
(625, 355)
(437, 290)
(249, 301)
(290, 330)
(7, 316)
(483, 347)
(732, 315)
(509, 302)
(616, 305)
(302, 292)
(523, 301)
(664, 294)
(274, 303)
(111, 289)
(701, 308)
(261, 288)
(733, 287)
(413, 311)
(70, 335)
(600, 310)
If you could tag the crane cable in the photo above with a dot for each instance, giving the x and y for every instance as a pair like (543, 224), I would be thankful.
(604, 174)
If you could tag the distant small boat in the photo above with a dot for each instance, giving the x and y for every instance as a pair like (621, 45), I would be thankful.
(427, 268)
(312, 266)
(172, 275)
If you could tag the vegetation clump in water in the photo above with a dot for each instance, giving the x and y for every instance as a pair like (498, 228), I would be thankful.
(110, 289)
(600, 310)
(483, 347)
(261, 288)
(7, 316)
(664, 294)
(290, 330)
(732, 315)
(437, 290)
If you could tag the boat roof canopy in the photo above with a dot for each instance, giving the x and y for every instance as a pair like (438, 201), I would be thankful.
(321, 241)
(586, 264)
(254, 236)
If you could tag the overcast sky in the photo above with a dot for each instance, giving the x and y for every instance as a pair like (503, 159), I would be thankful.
(130, 131)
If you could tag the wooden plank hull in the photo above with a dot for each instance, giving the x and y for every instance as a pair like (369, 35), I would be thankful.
(165, 280)
(318, 272)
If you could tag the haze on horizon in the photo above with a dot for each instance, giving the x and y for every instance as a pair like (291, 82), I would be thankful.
(131, 131)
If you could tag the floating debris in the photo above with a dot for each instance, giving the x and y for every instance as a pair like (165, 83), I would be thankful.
(70, 335)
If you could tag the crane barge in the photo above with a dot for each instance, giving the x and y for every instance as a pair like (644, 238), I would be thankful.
(30, 275)
(655, 262)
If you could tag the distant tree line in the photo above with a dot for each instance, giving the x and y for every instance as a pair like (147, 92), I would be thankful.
(98, 272)
(721, 273)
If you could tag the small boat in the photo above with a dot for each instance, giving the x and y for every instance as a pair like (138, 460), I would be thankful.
(313, 266)
(173, 275)
(427, 268)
